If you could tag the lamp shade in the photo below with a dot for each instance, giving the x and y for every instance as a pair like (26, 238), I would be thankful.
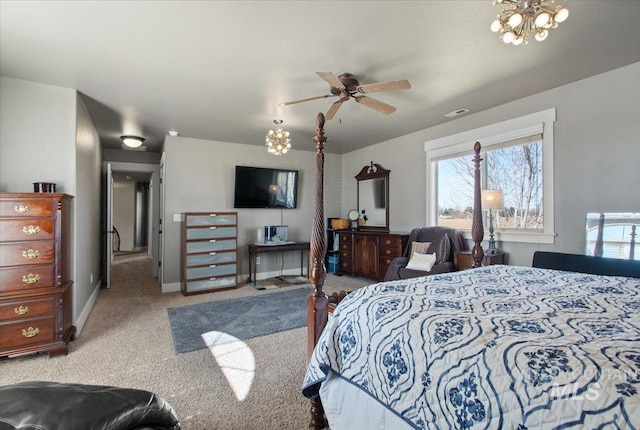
(491, 199)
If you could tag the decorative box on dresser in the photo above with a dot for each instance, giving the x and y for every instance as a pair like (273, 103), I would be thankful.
(209, 252)
(35, 274)
(369, 253)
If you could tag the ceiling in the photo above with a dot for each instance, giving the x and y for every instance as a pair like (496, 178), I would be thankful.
(217, 70)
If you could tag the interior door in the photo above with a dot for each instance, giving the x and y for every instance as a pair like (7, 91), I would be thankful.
(161, 220)
(109, 226)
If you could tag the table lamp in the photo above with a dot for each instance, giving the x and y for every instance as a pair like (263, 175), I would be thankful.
(491, 199)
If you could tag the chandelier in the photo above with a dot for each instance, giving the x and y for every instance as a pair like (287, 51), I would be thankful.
(278, 141)
(526, 19)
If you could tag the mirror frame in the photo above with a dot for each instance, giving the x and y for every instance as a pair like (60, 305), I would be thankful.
(374, 171)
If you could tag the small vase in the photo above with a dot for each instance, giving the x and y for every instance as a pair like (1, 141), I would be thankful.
(361, 222)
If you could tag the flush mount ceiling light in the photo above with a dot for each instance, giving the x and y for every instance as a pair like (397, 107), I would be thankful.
(132, 141)
(527, 18)
(278, 141)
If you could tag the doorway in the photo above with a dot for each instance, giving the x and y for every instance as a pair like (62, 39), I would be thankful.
(130, 212)
(132, 207)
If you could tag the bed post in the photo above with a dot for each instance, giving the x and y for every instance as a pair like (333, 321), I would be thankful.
(477, 229)
(317, 301)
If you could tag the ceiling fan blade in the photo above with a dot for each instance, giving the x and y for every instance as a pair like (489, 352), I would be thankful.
(384, 86)
(306, 100)
(376, 105)
(331, 79)
(334, 108)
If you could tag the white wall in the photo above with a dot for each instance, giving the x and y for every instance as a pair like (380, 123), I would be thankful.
(597, 158)
(37, 137)
(88, 231)
(124, 208)
(46, 135)
(200, 178)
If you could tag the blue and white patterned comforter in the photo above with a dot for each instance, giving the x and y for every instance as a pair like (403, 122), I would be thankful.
(495, 347)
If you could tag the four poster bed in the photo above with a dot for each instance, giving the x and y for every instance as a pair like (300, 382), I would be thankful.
(491, 347)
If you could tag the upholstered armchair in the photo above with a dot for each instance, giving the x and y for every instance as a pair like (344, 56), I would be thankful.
(426, 241)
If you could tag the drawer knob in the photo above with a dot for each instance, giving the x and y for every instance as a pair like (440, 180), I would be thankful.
(388, 251)
(30, 278)
(388, 242)
(22, 209)
(388, 261)
(21, 310)
(30, 253)
(30, 332)
(31, 229)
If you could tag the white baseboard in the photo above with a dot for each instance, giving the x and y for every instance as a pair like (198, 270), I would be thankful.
(84, 314)
(173, 287)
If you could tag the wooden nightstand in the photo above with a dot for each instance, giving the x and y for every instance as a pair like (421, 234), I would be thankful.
(463, 259)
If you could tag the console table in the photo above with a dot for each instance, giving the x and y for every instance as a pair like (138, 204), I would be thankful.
(256, 248)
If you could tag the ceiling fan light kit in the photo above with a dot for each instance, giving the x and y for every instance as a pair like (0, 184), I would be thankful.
(346, 86)
(277, 140)
(526, 19)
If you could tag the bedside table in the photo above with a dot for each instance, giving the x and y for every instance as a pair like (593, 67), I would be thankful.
(463, 260)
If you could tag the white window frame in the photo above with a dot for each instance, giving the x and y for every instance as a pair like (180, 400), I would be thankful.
(494, 134)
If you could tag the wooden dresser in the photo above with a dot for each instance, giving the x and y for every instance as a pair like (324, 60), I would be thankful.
(35, 274)
(369, 253)
(209, 252)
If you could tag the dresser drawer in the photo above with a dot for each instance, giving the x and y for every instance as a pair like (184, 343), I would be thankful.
(345, 254)
(389, 252)
(210, 258)
(212, 245)
(24, 278)
(345, 265)
(24, 253)
(384, 264)
(27, 208)
(27, 332)
(210, 219)
(210, 232)
(21, 309)
(212, 271)
(210, 284)
(21, 230)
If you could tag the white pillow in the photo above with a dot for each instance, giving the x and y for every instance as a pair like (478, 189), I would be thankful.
(422, 261)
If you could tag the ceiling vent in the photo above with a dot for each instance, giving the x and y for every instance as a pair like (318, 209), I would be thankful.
(456, 113)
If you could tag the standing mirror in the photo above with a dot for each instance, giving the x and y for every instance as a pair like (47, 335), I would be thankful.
(373, 197)
(613, 235)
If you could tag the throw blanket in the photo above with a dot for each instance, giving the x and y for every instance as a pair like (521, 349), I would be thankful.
(495, 347)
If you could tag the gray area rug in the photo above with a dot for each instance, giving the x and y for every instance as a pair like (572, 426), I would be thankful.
(243, 318)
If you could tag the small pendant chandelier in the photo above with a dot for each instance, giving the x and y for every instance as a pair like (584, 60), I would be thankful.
(278, 141)
(526, 19)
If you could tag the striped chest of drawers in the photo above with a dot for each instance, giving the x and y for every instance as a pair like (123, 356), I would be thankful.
(210, 252)
(35, 274)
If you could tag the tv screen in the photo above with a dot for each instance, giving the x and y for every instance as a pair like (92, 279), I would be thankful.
(259, 187)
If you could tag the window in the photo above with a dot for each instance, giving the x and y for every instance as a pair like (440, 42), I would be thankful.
(517, 159)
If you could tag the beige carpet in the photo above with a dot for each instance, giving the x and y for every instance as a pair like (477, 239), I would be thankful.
(127, 342)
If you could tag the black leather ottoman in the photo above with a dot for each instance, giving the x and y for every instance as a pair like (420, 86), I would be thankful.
(56, 406)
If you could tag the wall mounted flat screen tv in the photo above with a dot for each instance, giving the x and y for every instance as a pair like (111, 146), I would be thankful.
(259, 187)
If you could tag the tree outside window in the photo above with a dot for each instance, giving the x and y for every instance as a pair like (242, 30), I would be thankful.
(515, 167)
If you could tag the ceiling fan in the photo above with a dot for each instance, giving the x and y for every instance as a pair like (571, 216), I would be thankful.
(346, 86)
